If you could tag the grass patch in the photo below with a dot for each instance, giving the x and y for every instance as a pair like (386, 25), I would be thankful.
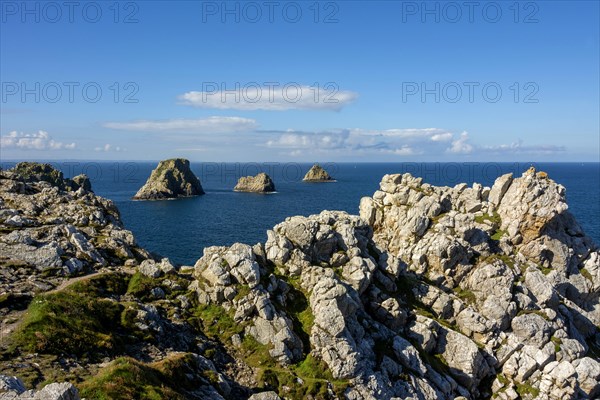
(309, 378)
(215, 322)
(68, 322)
(297, 308)
(80, 320)
(140, 286)
(126, 378)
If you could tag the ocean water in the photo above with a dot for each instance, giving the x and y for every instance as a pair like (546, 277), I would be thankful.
(181, 229)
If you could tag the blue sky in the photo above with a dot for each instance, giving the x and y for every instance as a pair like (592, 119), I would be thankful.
(365, 81)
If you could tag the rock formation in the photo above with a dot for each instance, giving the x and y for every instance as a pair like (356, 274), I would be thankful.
(317, 174)
(50, 231)
(431, 293)
(260, 183)
(171, 179)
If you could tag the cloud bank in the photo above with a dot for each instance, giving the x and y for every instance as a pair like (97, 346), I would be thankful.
(40, 140)
(202, 126)
(400, 142)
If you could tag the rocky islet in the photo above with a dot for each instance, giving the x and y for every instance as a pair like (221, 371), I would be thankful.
(260, 183)
(171, 179)
(317, 174)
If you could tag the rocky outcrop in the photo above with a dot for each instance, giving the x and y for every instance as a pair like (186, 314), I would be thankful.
(260, 183)
(431, 293)
(51, 231)
(508, 267)
(171, 179)
(317, 174)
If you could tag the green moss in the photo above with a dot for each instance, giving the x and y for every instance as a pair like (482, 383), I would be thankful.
(502, 379)
(506, 259)
(242, 291)
(557, 342)
(465, 295)
(211, 376)
(525, 390)
(210, 353)
(537, 312)
(544, 270)
(494, 218)
(498, 234)
(586, 274)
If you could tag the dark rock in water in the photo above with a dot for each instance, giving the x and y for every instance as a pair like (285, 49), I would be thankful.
(317, 174)
(260, 183)
(170, 180)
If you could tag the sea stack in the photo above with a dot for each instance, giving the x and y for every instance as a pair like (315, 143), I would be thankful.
(260, 183)
(171, 179)
(317, 174)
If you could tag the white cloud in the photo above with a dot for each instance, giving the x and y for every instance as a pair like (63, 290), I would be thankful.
(401, 142)
(442, 137)
(108, 147)
(518, 148)
(417, 134)
(273, 98)
(33, 141)
(461, 145)
(205, 125)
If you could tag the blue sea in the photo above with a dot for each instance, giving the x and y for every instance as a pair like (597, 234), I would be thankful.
(181, 229)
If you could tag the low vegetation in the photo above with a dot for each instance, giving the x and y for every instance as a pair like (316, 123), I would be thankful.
(127, 378)
(81, 320)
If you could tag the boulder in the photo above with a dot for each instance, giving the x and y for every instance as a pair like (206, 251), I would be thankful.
(82, 181)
